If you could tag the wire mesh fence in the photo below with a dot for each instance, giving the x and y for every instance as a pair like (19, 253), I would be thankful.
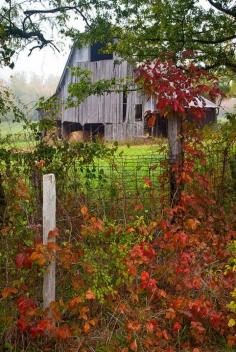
(114, 187)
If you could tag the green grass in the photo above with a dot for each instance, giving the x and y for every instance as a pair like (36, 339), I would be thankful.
(13, 135)
(140, 150)
(7, 127)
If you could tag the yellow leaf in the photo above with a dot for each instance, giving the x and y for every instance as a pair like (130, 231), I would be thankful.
(231, 323)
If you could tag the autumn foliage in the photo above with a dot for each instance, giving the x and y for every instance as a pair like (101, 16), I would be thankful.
(146, 285)
(177, 86)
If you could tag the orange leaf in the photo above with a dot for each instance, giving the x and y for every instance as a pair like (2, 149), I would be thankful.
(74, 302)
(90, 295)
(192, 224)
(92, 322)
(8, 291)
(38, 257)
(84, 211)
(122, 308)
(134, 326)
(170, 314)
(63, 332)
(86, 328)
(53, 246)
(83, 312)
(165, 335)
(133, 346)
(54, 233)
(54, 309)
(151, 121)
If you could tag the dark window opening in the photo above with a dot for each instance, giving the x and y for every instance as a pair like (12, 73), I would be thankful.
(124, 105)
(94, 131)
(138, 112)
(97, 54)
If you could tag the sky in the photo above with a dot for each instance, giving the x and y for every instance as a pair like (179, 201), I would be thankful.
(43, 62)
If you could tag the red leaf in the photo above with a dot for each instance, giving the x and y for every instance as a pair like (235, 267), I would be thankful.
(177, 326)
(133, 346)
(22, 324)
(147, 181)
(145, 276)
(23, 261)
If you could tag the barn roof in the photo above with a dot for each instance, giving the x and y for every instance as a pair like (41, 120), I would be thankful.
(65, 68)
(204, 103)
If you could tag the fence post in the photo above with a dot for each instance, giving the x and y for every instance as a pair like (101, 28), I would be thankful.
(49, 224)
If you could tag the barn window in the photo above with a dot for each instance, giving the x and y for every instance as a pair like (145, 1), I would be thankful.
(138, 112)
(124, 105)
(96, 53)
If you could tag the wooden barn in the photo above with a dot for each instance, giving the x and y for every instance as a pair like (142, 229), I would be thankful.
(114, 116)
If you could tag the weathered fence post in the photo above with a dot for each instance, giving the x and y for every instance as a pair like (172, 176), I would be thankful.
(49, 224)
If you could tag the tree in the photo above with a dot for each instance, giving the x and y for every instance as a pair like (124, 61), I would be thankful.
(144, 29)
(178, 92)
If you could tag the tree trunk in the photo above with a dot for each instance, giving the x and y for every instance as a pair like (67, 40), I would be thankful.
(175, 156)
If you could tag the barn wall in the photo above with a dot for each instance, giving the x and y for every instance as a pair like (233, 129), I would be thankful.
(121, 132)
(107, 108)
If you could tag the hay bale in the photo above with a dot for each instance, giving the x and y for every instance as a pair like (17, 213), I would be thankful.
(76, 136)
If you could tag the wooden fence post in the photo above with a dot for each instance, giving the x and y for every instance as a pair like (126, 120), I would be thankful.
(49, 224)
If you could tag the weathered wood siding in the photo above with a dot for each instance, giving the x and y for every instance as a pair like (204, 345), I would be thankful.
(106, 109)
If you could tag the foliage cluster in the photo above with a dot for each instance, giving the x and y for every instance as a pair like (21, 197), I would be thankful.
(146, 285)
(142, 30)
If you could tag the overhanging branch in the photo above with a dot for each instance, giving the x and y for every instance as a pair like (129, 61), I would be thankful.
(219, 7)
(29, 13)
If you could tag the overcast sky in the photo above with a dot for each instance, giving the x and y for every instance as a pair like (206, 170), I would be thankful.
(43, 62)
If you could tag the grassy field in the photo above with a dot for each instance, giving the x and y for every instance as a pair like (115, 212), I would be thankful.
(10, 128)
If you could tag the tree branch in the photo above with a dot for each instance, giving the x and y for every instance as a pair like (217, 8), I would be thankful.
(216, 41)
(29, 13)
(21, 33)
(219, 7)
(201, 41)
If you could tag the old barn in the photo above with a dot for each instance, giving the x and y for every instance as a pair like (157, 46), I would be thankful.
(114, 116)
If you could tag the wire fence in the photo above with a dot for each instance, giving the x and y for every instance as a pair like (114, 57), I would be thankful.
(116, 188)
(113, 189)
(122, 186)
